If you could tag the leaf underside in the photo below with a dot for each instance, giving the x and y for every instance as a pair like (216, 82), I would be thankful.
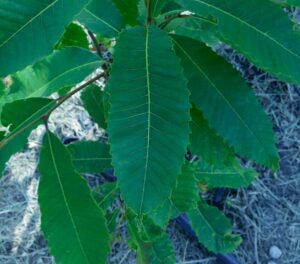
(23, 24)
(150, 104)
(73, 224)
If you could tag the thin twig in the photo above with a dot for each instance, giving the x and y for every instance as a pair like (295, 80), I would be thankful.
(45, 116)
(95, 43)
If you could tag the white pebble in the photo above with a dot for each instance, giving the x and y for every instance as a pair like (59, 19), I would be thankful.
(275, 252)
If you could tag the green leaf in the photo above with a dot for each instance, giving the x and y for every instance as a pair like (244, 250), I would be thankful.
(171, 6)
(213, 229)
(228, 104)
(102, 17)
(150, 242)
(195, 27)
(24, 25)
(156, 7)
(106, 194)
(2, 88)
(73, 224)
(163, 214)
(74, 36)
(22, 116)
(62, 68)
(93, 101)
(129, 10)
(218, 167)
(295, 3)
(186, 194)
(225, 176)
(258, 37)
(2, 136)
(204, 141)
(148, 150)
(90, 156)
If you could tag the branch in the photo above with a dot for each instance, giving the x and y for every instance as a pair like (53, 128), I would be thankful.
(45, 117)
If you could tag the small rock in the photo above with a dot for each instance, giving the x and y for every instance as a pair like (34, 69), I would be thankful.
(275, 252)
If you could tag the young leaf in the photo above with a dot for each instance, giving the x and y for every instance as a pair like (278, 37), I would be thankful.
(129, 10)
(23, 25)
(225, 176)
(213, 229)
(90, 156)
(22, 116)
(150, 103)
(102, 17)
(73, 224)
(74, 36)
(93, 101)
(258, 37)
(151, 243)
(62, 68)
(228, 104)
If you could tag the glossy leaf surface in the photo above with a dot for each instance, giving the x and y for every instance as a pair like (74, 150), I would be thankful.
(62, 68)
(23, 24)
(73, 224)
(149, 149)
(102, 17)
(255, 29)
(225, 100)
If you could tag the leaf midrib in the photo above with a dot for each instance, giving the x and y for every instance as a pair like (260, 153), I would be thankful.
(225, 99)
(251, 26)
(59, 76)
(101, 20)
(65, 198)
(149, 117)
(27, 23)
